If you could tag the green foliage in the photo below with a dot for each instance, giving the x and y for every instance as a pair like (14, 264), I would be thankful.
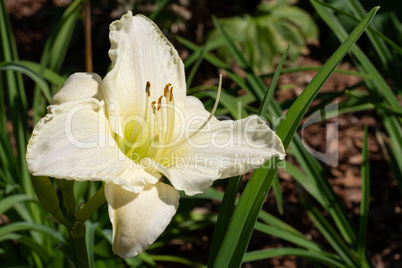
(378, 89)
(246, 213)
(262, 38)
(30, 237)
(347, 246)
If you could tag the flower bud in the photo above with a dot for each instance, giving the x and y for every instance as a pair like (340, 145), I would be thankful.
(46, 194)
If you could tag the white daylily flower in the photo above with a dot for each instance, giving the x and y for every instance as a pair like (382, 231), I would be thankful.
(135, 126)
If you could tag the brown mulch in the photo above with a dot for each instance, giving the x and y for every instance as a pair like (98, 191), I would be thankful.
(384, 231)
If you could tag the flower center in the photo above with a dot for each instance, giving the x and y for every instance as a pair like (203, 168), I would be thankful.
(155, 134)
(147, 135)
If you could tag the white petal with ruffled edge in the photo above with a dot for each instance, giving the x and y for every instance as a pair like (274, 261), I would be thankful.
(139, 53)
(79, 86)
(73, 141)
(220, 150)
(90, 119)
(139, 219)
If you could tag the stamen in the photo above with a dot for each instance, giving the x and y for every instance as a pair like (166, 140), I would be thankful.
(159, 103)
(139, 134)
(171, 94)
(148, 89)
(153, 106)
(166, 90)
(169, 118)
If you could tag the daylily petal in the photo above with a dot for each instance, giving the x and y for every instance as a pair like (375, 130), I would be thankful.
(73, 141)
(138, 219)
(137, 125)
(79, 86)
(220, 150)
(186, 175)
(195, 113)
(238, 146)
(140, 53)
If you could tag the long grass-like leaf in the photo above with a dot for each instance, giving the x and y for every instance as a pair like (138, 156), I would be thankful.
(224, 216)
(262, 112)
(4, 66)
(90, 241)
(27, 226)
(330, 234)
(246, 213)
(30, 243)
(59, 40)
(275, 222)
(301, 104)
(161, 6)
(377, 33)
(364, 204)
(379, 45)
(196, 65)
(55, 50)
(366, 64)
(10, 201)
(46, 73)
(313, 256)
(168, 258)
(267, 98)
(228, 101)
(297, 240)
(331, 201)
(217, 63)
(317, 68)
(17, 104)
(377, 86)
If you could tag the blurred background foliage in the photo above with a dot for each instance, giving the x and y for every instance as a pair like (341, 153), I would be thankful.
(309, 218)
(264, 34)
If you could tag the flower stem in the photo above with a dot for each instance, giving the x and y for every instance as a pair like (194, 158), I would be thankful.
(93, 204)
(67, 189)
(79, 244)
(88, 40)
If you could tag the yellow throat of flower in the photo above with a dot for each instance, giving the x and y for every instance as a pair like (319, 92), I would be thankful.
(148, 135)
(154, 134)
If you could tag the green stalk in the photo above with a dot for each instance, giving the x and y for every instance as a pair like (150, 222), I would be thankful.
(364, 204)
(88, 39)
(93, 204)
(79, 244)
(67, 189)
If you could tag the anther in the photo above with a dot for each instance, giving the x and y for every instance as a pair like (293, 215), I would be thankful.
(153, 106)
(166, 89)
(159, 103)
(171, 94)
(147, 89)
